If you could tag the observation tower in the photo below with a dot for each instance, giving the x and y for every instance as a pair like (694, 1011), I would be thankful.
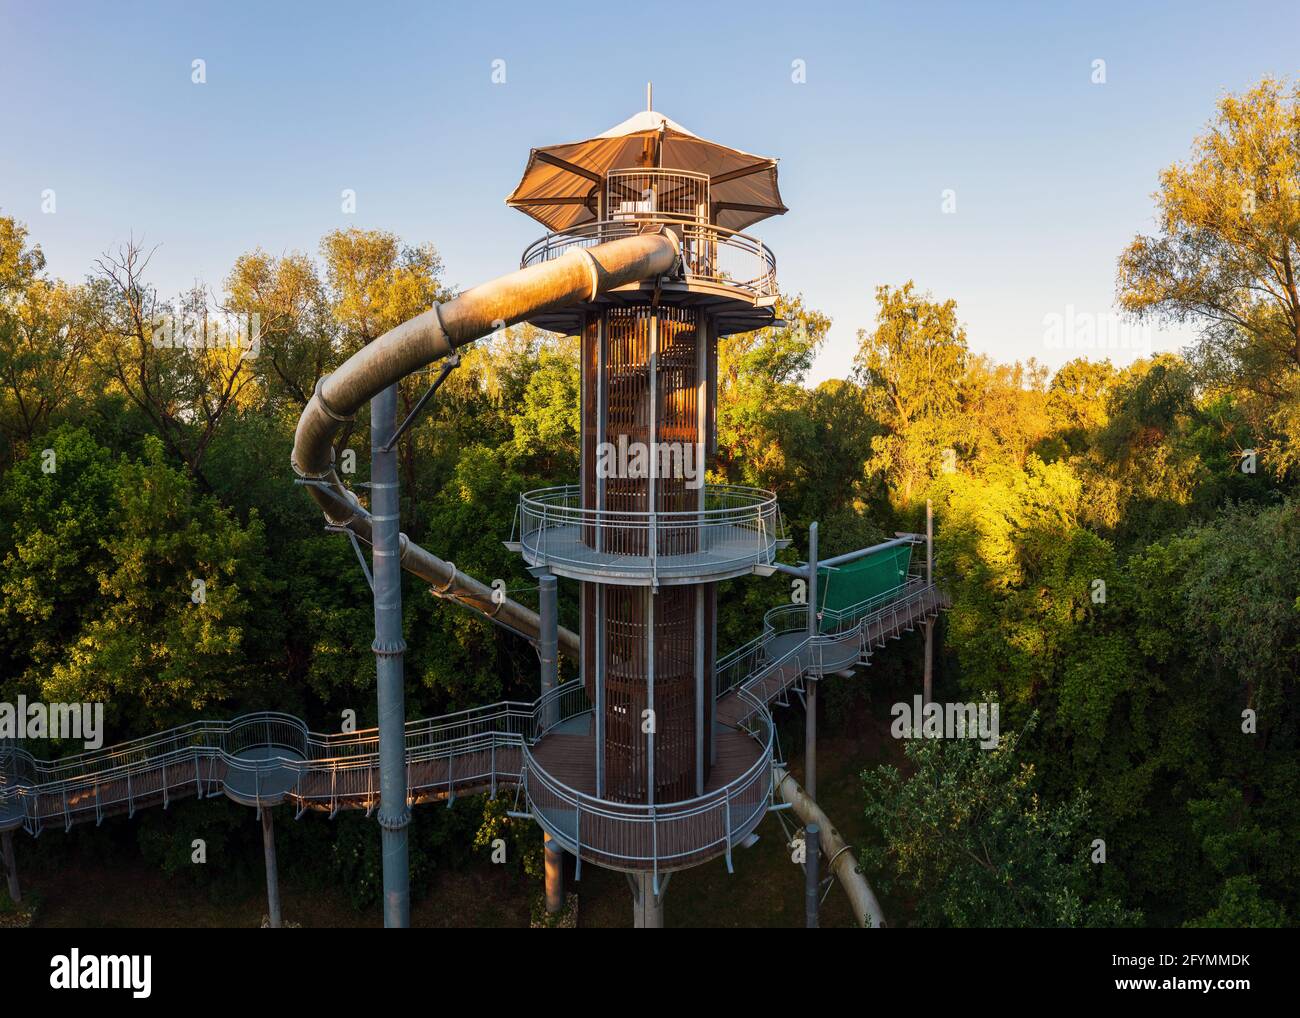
(645, 536)
(662, 754)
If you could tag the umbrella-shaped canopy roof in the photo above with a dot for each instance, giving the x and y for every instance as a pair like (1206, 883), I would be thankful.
(560, 184)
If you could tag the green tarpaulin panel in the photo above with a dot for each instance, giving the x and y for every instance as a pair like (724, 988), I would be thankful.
(842, 589)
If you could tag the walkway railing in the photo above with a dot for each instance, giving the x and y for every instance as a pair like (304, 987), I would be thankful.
(655, 836)
(783, 654)
(734, 529)
(710, 254)
(266, 758)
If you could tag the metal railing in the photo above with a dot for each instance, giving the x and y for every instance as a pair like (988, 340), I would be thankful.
(640, 191)
(656, 836)
(784, 650)
(476, 749)
(735, 529)
(710, 253)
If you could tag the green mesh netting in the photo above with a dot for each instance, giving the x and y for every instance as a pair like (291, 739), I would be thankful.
(843, 589)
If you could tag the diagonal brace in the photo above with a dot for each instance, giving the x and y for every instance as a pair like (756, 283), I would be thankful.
(448, 366)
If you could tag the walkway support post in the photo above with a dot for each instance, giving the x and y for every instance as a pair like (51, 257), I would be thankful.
(928, 680)
(554, 858)
(810, 696)
(548, 651)
(389, 647)
(647, 907)
(548, 643)
(11, 866)
(272, 870)
(811, 876)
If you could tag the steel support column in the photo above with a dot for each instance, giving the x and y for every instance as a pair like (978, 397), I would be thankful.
(272, 870)
(11, 866)
(647, 907)
(554, 860)
(812, 877)
(389, 647)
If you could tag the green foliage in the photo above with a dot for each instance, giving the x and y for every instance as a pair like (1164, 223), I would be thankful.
(910, 367)
(1116, 571)
(968, 835)
(106, 555)
(1225, 258)
(523, 847)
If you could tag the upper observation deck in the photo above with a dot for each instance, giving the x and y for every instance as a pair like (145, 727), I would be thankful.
(733, 531)
(729, 273)
(651, 174)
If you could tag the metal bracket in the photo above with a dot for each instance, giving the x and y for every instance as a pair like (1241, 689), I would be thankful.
(448, 366)
(356, 546)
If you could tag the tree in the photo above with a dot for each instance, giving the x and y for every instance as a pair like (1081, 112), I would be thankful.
(298, 335)
(1076, 400)
(761, 399)
(45, 335)
(1228, 257)
(546, 422)
(1003, 411)
(163, 357)
(910, 366)
(374, 284)
(969, 836)
(127, 586)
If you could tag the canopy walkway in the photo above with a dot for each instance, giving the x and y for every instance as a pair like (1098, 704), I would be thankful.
(542, 750)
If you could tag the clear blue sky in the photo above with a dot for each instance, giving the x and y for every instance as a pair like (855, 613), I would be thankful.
(1052, 173)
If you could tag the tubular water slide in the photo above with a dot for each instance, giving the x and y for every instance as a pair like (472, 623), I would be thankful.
(265, 759)
(581, 274)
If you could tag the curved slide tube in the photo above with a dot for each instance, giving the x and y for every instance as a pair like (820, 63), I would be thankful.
(480, 748)
(582, 274)
(866, 908)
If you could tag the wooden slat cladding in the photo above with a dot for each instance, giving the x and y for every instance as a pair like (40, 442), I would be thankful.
(626, 678)
(620, 381)
(677, 421)
(627, 692)
(674, 686)
(627, 418)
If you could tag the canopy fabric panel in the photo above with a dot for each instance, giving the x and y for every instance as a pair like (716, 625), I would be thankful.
(560, 183)
(846, 587)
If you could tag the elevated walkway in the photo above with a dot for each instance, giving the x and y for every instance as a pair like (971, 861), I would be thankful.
(542, 750)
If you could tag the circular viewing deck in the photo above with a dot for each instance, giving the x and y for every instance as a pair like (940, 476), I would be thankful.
(559, 777)
(735, 530)
(545, 746)
(732, 274)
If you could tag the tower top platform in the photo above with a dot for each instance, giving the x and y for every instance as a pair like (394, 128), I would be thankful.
(564, 185)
